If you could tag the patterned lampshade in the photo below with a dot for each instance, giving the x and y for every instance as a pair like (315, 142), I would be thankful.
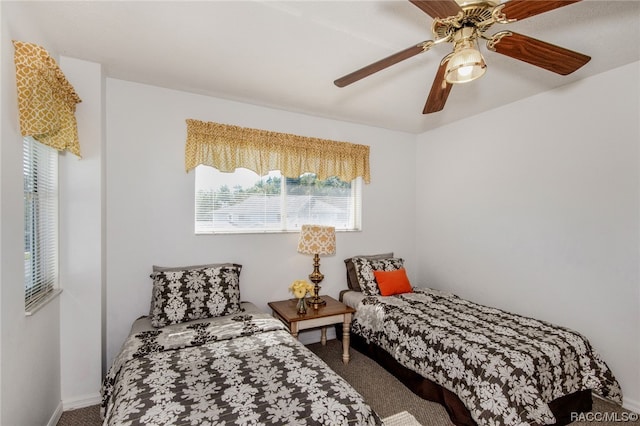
(316, 239)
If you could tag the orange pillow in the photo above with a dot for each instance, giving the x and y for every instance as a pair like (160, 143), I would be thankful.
(393, 282)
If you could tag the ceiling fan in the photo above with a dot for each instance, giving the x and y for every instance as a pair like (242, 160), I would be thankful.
(463, 24)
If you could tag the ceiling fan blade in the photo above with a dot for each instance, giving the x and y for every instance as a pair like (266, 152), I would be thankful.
(539, 53)
(380, 65)
(522, 9)
(438, 8)
(439, 91)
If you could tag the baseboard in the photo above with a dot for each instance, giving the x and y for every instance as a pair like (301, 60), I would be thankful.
(81, 402)
(632, 405)
(53, 421)
(628, 404)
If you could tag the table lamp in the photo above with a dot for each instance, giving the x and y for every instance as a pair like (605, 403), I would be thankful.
(317, 240)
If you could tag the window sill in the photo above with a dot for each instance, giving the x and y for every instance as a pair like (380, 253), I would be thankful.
(42, 302)
(270, 231)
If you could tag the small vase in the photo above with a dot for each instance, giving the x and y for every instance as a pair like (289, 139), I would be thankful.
(302, 306)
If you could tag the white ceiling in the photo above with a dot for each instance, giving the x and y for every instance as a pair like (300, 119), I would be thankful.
(286, 54)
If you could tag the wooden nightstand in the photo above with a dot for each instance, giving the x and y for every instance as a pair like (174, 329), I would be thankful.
(333, 312)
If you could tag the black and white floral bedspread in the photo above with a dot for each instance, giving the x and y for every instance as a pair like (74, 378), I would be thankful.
(505, 368)
(235, 370)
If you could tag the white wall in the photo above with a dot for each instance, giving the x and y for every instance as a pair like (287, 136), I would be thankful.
(3, 102)
(82, 242)
(150, 201)
(30, 348)
(534, 207)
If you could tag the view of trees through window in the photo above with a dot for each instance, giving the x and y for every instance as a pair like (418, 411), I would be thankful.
(245, 202)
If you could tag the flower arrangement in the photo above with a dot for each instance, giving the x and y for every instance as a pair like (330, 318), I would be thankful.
(300, 288)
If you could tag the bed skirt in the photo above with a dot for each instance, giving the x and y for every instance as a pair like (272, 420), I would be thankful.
(562, 408)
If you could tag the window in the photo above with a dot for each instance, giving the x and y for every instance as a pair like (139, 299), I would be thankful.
(245, 202)
(40, 172)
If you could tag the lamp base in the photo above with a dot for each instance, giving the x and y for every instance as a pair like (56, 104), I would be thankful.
(316, 302)
(316, 277)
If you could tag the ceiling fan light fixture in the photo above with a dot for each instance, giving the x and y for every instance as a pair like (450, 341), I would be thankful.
(466, 64)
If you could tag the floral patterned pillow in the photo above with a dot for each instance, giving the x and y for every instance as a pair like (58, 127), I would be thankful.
(364, 271)
(352, 278)
(190, 294)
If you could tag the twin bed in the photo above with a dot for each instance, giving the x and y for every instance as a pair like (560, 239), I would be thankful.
(485, 365)
(203, 357)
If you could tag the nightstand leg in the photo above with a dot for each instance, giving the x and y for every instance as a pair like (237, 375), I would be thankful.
(323, 336)
(346, 326)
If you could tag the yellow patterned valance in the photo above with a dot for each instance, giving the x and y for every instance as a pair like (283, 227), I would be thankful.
(227, 147)
(46, 100)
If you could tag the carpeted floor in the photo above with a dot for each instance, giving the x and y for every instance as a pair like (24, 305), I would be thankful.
(385, 394)
(89, 416)
(382, 391)
(403, 418)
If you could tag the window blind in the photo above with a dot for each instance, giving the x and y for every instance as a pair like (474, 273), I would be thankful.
(40, 172)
